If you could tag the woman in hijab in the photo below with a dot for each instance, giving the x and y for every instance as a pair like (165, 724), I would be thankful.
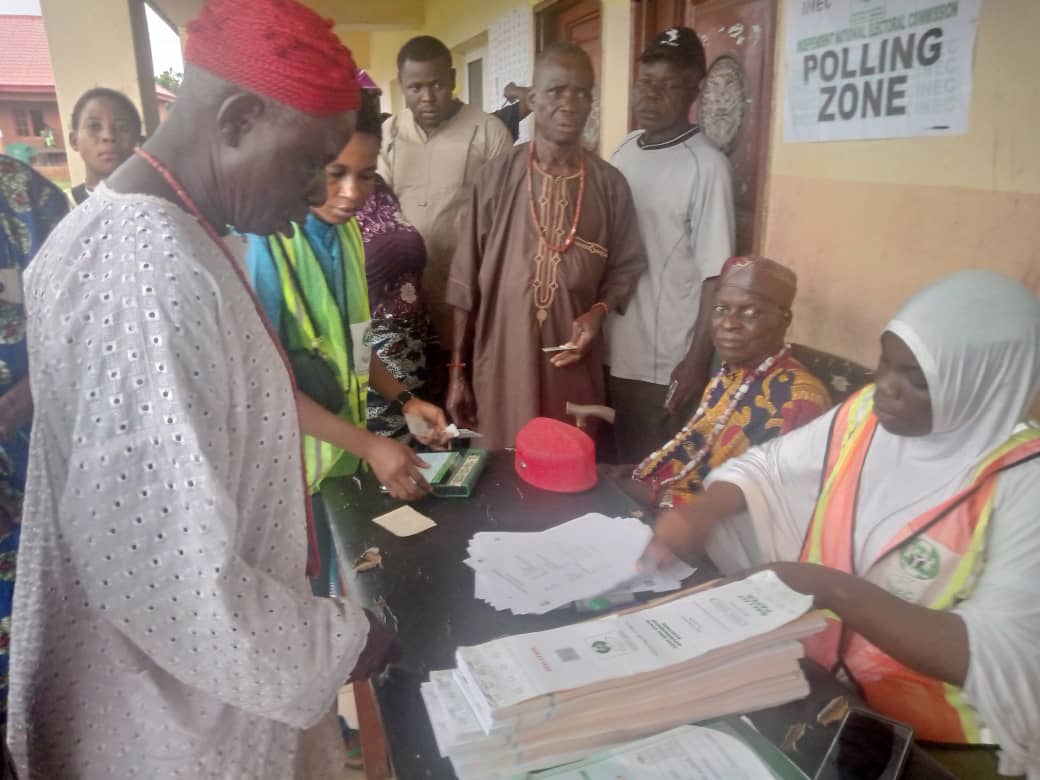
(910, 512)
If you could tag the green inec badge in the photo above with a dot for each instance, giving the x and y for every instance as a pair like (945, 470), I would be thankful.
(920, 559)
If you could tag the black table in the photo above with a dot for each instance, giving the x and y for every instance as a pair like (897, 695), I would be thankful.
(426, 591)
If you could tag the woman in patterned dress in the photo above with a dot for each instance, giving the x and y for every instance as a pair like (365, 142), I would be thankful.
(395, 256)
(30, 206)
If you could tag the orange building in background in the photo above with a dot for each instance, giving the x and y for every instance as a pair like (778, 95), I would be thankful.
(31, 127)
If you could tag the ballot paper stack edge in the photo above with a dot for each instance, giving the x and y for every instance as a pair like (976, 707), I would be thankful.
(532, 701)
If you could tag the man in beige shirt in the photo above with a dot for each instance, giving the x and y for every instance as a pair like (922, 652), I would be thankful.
(431, 154)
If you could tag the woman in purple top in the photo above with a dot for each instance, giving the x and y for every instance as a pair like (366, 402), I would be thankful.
(395, 256)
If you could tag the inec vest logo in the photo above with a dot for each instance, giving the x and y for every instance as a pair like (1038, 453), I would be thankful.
(920, 559)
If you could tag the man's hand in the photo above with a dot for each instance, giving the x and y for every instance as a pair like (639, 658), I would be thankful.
(636, 489)
(583, 334)
(435, 421)
(10, 421)
(690, 382)
(381, 649)
(462, 406)
(16, 409)
(678, 533)
(396, 467)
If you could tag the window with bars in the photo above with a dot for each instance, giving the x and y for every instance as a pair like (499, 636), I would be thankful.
(21, 123)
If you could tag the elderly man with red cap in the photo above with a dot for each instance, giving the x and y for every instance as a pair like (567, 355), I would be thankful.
(760, 391)
(163, 623)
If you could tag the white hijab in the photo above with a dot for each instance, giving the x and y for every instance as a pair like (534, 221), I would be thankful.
(976, 335)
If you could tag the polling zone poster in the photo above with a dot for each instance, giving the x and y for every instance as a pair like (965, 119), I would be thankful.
(878, 68)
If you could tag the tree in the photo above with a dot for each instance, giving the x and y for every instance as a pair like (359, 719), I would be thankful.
(171, 79)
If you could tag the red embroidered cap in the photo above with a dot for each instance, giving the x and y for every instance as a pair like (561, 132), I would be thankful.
(553, 455)
(278, 48)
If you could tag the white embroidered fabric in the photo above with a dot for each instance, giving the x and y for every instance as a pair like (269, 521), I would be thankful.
(163, 626)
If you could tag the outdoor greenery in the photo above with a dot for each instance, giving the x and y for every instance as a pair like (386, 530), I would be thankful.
(171, 79)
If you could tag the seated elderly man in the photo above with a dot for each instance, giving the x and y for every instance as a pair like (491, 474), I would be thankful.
(760, 391)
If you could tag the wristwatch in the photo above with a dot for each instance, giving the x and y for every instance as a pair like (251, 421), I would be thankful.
(404, 397)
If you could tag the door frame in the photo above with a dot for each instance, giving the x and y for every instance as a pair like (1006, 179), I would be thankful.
(461, 55)
(486, 98)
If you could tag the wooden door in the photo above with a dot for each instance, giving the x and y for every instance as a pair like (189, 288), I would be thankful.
(735, 106)
(578, 22)
(649, 17)
(737, 99)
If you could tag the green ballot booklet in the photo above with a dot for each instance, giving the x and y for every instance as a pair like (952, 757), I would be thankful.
(454, 474)
(718, 750)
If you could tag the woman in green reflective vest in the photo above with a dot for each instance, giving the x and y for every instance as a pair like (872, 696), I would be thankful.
(312, 287)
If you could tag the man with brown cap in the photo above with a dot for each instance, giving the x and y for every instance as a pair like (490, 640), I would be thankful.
(760, 391)
(163, 624)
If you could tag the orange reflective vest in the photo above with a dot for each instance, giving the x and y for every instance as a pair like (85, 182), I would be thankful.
(933, 561)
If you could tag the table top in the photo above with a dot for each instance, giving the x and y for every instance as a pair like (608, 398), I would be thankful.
(426, 592)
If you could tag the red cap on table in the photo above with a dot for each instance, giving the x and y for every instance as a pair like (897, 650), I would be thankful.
(553, 455)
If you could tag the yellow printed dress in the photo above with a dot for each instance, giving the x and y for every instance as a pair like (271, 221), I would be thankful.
(785, 398)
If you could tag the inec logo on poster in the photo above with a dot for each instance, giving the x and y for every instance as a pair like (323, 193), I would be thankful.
(920, 559)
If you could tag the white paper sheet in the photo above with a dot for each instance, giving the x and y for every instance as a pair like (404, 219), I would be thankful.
(533, 573)
(404, 521)
(684, 753)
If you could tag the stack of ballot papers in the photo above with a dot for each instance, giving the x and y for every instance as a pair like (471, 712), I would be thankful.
(534, 573)
(722, 750)
(531, 701)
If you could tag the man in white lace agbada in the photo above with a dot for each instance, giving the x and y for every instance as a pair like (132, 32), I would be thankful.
(163, 624)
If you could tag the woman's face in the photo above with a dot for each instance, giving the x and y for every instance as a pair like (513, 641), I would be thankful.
(106, 136)
(350, 179)
(902, 403)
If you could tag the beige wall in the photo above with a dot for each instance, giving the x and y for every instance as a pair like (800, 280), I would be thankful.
(867, 223)
(359, 43)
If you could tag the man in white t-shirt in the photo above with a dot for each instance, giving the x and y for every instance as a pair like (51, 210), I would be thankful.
(683, 193)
